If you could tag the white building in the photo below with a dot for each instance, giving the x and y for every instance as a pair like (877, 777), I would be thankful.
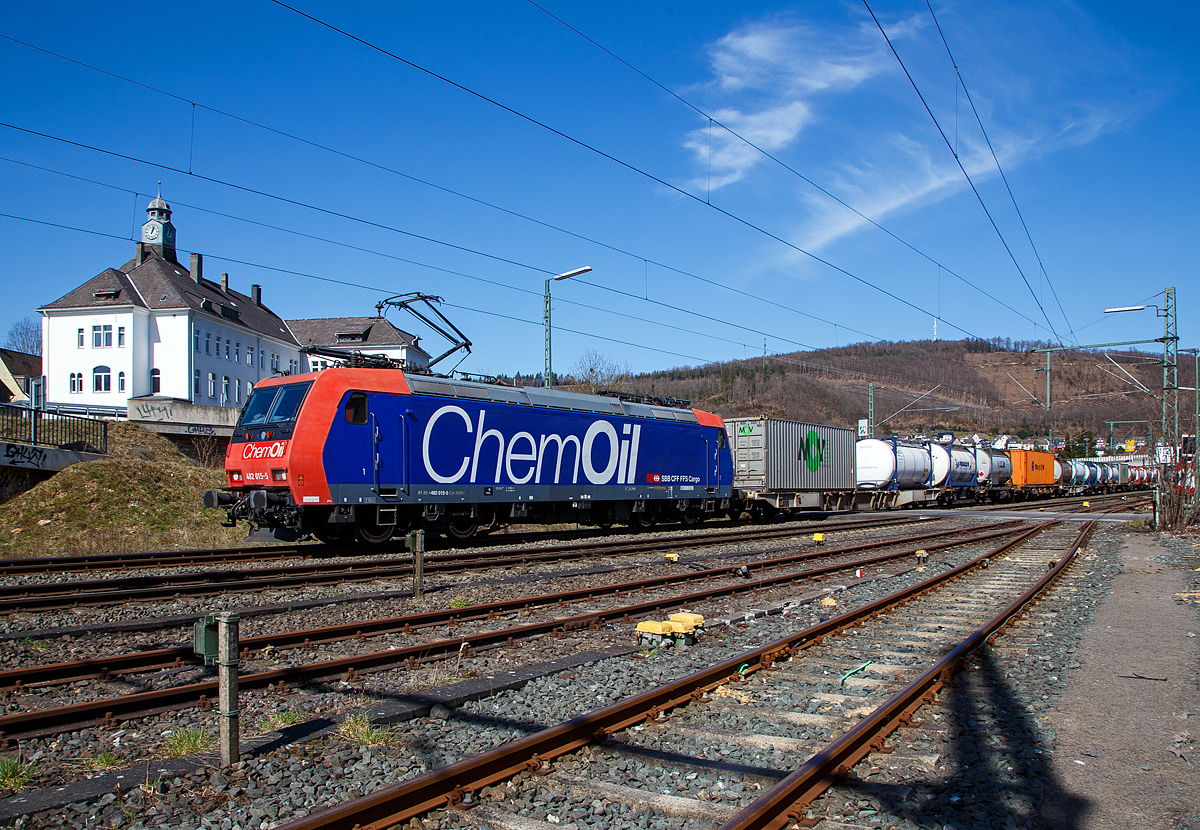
(154, 329)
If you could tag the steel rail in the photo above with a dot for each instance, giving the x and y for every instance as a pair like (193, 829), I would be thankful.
(109, 711)
(166, 559)
(785, 802)
(174, 657)
(51, 595)
(456, 782)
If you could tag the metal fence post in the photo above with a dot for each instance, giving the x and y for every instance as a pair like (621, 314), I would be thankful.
(416, 544)
(227, 681)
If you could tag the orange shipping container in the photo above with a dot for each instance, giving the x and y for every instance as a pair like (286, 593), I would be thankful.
(1032, 468)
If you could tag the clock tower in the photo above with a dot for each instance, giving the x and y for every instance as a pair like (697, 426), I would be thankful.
(158, 232)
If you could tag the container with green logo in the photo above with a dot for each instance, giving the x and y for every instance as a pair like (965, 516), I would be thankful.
(773, 457)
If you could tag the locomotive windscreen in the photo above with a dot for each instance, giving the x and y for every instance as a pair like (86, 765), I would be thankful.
(274, 405)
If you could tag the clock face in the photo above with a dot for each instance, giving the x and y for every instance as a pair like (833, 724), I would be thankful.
(150, 232)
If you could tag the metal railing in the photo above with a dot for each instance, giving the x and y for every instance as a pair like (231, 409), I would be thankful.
(24, 425)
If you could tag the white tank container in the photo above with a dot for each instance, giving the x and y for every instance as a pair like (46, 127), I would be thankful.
(1078, 472)
(962, 467)
(941, 465)
(1059, 472)
(879, 464)
(992, 467)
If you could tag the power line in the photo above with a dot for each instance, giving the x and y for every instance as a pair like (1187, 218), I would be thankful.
(712, 120)
(967, 175)
(628, 166)
(435, 186)
(1003, 177)
(334, 281)
(440, 269)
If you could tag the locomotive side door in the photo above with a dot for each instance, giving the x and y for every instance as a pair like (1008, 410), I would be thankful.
(350, 451)
(388, 444)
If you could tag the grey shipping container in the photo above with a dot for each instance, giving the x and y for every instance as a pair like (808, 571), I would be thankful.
(777, 456)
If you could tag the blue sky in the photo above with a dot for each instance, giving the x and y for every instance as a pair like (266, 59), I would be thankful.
(703, 248)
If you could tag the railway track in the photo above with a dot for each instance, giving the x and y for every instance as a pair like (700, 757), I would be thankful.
(275, 552)
(32, 596)
(816, 702)
(733, 580)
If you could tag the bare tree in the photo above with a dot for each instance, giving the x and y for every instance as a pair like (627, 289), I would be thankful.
(594, 371)
(25, 336)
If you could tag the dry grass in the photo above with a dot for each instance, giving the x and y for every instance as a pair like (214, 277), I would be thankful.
(279, 720)
(186, 742)
(358, 729)
(15, 773)
(145, 496)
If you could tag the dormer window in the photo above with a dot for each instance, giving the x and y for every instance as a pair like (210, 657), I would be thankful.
(352, 336)
(229, 313)
(106, 295)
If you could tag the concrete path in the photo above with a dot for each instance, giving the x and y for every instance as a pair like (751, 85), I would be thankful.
(1114, 766)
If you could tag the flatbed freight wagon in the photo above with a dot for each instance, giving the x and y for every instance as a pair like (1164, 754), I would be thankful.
(783, 465)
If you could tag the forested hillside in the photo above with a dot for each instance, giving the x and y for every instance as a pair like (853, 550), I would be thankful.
(978, 385)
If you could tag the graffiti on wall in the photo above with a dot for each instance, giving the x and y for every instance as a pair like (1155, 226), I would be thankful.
(20, 455)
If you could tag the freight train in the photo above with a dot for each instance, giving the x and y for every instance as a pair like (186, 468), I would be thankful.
(366, 454)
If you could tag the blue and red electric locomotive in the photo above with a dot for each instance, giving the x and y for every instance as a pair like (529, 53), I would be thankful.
(368, 453)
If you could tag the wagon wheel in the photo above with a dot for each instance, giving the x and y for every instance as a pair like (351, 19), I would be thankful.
(461, 527)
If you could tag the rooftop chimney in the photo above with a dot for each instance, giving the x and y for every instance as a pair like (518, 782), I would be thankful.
(141, 253)
(224, 281)
(197, 267)
(256, 294)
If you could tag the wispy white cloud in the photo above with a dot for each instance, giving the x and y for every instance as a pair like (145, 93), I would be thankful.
(836, 90)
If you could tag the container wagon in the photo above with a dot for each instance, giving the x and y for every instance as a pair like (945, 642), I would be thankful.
(790, 466)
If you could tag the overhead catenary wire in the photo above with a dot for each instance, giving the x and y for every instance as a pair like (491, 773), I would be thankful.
(433, 185)
(967, 175)
(1003, 177)
(627, 165)
(443, 270)
(767, 154)
(348, 283)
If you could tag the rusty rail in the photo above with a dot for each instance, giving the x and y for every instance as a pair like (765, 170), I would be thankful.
(785, 802)
(103, 667)
(452, 784)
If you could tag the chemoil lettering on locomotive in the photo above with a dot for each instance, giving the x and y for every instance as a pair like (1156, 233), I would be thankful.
(273, 450)
(812, 451)
(522, 457)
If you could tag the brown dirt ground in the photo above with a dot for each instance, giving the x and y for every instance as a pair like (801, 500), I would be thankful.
(1114, 766)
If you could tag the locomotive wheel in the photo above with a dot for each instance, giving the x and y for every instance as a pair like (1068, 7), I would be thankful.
(643, 521)
(461, 527)
(371, 532)
(691, 517)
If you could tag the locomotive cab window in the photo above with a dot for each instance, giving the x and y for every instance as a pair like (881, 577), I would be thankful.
(721, 439)
(356, 408)
(274, 405)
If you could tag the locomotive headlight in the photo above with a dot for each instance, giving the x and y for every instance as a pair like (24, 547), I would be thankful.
(279, 475)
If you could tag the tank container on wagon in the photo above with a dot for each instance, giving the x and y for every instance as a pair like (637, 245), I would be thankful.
(962, 467)
(1078, 472)
(882, 464)
(1032, 468)
(1060, 472)
(993, 468)
(774, 454)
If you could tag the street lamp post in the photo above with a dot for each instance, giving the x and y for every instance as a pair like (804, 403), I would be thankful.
(566, 276)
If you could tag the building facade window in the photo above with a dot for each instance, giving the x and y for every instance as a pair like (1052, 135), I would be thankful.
(81, 338)
(120, 336)
(101, 337)
(227, 350)
(262, 359)
(196, 379)
(208, 342)
(249, 355)
(237, 391)
(73, 387)
(237, 352)
(155, 381)
(197, 339)
(120, 381)
(225, 390)
(101, 379)
(212, 385)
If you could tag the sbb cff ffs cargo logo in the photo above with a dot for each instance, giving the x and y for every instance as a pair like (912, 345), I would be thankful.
(812, 451)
